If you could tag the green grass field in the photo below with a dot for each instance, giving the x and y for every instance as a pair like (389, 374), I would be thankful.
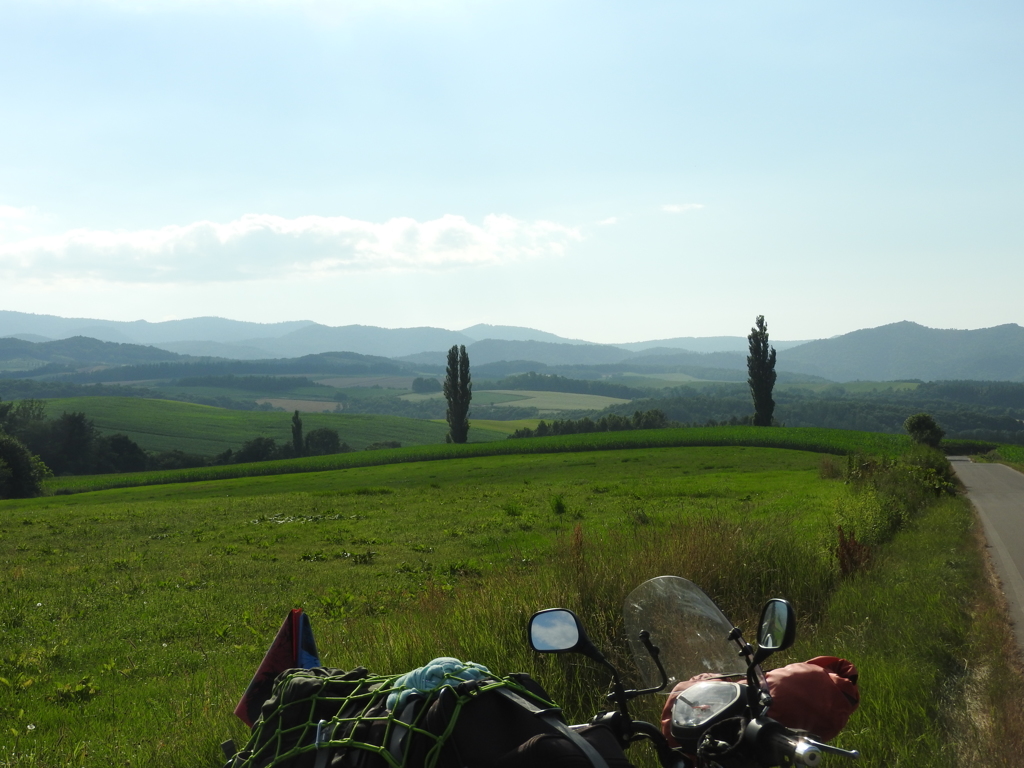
(554, 402)
(545, 402)
(165, 598)
(658, 380)
(163, 425)
(480, 397)
(132, 618)
(505, 427)
(1013, 454)
(836, 441)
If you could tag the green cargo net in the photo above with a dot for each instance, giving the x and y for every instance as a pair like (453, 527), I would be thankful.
(314, 710)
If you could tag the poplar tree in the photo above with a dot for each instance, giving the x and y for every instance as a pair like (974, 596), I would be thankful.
(458, 391)
(297, 434)
(761, 373)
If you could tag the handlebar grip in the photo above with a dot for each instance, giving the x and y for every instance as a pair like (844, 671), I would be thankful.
(788, 747)
(800, 751)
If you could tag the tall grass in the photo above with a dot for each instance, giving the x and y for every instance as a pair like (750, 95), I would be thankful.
(937, 686)
(484, 620)
(905, 620)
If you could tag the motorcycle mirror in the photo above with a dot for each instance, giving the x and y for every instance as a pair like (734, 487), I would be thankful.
(776, 629)
(559, 630)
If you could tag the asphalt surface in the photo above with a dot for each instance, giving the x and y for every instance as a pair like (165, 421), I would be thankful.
(997, 492)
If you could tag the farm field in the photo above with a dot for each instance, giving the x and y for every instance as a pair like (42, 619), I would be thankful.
(481, 397)
(163, 425)
(553, 402)
(842, 442)
(384, 382)
(166, 602)
(653, 379)
(505, 427)
(240, 393)
(303, 406)
(133, 618)
(1012, 455)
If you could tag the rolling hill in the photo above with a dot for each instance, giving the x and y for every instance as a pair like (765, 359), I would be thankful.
(164, 425)
(898, 351)
(910, 351)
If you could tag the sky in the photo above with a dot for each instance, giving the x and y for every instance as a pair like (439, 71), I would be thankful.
(606, 171)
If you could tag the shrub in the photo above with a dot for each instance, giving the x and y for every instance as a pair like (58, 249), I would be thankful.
(323, 442)
(425, 386)
(922, 429)
(257, 449)
(21, 472)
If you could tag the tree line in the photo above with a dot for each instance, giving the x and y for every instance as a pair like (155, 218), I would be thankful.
(730, 405)
(548, 382)
(339, 363)
(275, 384)
(653, 419)
(34, 447)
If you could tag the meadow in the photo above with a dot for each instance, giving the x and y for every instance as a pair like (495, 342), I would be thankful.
(840, 442)
(132, 618)
(556, 402)
(164, 425)
(163, 604)
(481, 397)
(546, 403)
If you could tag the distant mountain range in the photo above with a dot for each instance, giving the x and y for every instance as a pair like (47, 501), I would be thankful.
(898, 351)
(18, 354)
(237, 340)
(911, 351)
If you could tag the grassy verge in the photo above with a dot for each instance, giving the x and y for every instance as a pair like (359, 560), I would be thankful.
(937, 679)
(832, 441)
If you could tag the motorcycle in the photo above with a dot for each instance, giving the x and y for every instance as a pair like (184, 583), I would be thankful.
(714, 722)
(450, 713)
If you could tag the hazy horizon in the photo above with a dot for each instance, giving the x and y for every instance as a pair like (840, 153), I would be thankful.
(597, 171)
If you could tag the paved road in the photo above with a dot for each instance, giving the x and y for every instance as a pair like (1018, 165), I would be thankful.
(997, 492)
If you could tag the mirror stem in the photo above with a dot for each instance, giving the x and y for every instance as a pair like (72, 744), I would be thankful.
(655, 652)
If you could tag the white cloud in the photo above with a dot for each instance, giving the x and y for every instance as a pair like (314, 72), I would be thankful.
(15, 222)
(12, 212)
(261, 246)
(682, 208)
(608, 222)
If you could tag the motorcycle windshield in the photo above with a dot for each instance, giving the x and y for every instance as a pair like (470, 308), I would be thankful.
(689, 629)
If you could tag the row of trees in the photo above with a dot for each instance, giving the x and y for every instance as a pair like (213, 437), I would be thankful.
(653, 419)
(548, 382)
(69, 444)
(33, 447)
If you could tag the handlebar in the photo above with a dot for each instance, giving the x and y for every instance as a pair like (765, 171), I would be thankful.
(788, 747)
